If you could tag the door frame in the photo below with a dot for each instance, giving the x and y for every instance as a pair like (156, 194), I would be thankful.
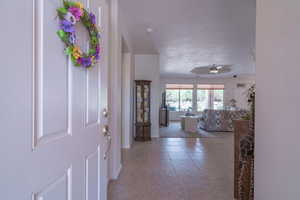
(117, 31)
(114, 90)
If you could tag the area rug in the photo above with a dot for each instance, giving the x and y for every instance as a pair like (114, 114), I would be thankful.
(174, 131)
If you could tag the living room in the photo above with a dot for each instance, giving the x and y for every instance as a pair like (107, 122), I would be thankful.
(193, 98)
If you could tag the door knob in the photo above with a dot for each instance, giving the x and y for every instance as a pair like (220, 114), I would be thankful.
(105, 112)
(105, 130)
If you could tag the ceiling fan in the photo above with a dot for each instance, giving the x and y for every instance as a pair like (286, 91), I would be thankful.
(212, 69)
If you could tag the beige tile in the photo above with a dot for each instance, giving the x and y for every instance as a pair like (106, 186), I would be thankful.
(176, 169)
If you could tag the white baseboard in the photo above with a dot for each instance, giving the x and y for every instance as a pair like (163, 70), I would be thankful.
(117, 173)
(126, 147)
(155, 136)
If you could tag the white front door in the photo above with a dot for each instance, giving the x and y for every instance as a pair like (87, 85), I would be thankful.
(52, 140)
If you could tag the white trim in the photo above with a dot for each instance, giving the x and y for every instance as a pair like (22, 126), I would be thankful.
(117, 173)
(115, 90)
(127, 99)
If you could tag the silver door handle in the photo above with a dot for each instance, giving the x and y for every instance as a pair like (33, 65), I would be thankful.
(105, 130)
(106, 133)
(108, 147)
(105, 113)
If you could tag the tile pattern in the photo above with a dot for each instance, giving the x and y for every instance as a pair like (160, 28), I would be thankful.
(220, 120)
(176, 169)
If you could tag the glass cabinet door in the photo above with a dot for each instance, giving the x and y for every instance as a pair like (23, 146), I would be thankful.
(146, 103)
(143, 102)
(139, 102)
(143, 120)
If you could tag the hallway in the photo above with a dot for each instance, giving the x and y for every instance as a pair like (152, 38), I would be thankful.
(176, 169)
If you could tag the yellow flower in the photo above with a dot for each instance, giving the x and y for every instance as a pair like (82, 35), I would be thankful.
(79, 5)
(76, 52)
(93, 60)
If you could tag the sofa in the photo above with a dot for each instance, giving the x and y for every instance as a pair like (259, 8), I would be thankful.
(220, 120)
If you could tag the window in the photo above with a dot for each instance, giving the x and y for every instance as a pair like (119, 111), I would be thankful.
(172, 99)
(210, 97)
(202, 100)
(186, 100)
(179, 97)
(217, 99)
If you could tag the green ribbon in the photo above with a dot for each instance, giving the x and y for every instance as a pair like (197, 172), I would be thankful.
(92, 51)
(62, 35)
(94, 40)
(62, 11)
(69, 4)
(74, 61)
(68, 50)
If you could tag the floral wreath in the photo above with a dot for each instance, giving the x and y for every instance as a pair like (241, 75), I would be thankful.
(69, 15)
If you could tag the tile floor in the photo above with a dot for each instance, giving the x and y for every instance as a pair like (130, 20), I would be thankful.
(176, 169)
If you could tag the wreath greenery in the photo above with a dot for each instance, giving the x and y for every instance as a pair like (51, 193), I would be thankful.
(70, 14)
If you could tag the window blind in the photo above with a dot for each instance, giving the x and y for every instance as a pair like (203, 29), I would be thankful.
(210, 87)
(179, 86)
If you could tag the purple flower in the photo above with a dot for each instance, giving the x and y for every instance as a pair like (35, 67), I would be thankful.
(97, 54)
(77, 12)
(72, 38)
(67, 26)
(93, 18)
(70, 17)
(86, 62)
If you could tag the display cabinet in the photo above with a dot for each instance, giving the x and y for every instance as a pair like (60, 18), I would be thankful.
(142, 110)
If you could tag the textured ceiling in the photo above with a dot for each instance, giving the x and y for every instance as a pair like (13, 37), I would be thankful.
(193, 33)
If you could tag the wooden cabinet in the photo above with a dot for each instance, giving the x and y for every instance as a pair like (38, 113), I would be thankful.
(142, 110)
(243, 165)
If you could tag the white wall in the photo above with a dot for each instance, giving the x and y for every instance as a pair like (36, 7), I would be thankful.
(118, 32)
(240, 93)
(147, 68)
(127, 99)
(277, 147)
(231, 91)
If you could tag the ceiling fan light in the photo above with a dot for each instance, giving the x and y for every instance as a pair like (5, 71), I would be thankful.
(219, 67)
(213, 71)
(149, 30)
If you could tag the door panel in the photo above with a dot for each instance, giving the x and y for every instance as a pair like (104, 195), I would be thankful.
(51, 143)
(92, 96)
(60, 189)
(92, 176)
(52, 81)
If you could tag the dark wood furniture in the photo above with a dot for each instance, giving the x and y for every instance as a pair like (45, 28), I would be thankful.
(241, 130)
(142, 110)
(164, 117)
(244, 139)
